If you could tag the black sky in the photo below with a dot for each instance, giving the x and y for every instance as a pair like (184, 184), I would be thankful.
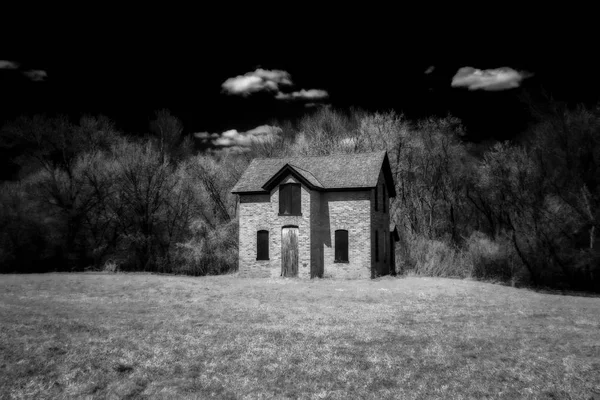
(128, 67)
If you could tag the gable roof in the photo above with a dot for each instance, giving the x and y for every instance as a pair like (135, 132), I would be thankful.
(338, 171)
(304, 176)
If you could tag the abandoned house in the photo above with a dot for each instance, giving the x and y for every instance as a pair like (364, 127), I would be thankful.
(316, 216)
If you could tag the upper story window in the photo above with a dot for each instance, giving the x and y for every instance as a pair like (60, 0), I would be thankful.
(341, 246)
(290, 199)
(385, 199)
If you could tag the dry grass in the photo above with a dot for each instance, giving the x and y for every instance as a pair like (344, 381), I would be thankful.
(136, 336)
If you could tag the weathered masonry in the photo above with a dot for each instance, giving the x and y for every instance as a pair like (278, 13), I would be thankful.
(317, 216)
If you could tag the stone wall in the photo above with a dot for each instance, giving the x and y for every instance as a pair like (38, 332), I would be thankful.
(322, 214)
(347, 210)
(261, 212)
(254, 213)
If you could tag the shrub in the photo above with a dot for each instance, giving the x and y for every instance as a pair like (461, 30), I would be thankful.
(493, 260)
(211, 250)
(437, 258)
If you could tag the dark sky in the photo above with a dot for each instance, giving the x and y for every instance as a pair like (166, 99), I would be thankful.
(127, 67)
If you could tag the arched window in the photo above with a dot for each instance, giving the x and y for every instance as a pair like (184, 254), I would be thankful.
(262, 245)
(341, 246)
(290, 199)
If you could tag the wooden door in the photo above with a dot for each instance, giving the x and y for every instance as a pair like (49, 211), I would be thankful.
(289, 251)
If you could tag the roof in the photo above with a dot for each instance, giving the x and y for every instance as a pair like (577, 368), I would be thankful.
(333, 172)
(304, 176)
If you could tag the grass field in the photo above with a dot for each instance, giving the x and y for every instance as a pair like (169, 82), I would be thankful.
(138, 335)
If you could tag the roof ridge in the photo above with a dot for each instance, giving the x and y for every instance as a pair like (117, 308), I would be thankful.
(334, 171)
(313, 175)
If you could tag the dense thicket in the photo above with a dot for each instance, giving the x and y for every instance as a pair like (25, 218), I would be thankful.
(88, 196)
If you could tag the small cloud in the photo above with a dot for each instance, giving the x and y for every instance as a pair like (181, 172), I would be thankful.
(5, 64)
(263, 80)
(230, 134)
(36, 75)
(311, 94)
(224, 141)
(314, 105)
(205, 135)
(278, 76)
(488, 79)
(257, 81)
(430, 69)
(234, 139)
(263, 130)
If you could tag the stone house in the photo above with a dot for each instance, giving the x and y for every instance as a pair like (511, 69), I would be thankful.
(317, 216)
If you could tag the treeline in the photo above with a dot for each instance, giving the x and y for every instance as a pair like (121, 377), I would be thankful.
(90, 197)
(523, 212)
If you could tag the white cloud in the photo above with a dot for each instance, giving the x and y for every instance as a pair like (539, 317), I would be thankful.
(488, 79)
(259, 80)
(230, 134)
(430, 69)
(311, 94)
(263, 130)
(263, 80)
(204, 136)
(233, 138)
(36, 75)
(313, 105)
(5, 64)
(278, 76)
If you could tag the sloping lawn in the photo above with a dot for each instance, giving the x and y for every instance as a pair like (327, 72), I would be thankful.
(138, 335)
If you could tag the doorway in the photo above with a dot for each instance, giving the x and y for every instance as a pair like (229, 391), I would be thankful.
(289, 251)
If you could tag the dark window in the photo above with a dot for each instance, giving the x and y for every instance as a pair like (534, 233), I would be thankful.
(341, 246)
(376, 246)
(376, 202)
(384, 248)
(289, 199)
(262, 245)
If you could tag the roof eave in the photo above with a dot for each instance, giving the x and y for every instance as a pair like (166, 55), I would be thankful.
(338, 189)
(249, 192)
